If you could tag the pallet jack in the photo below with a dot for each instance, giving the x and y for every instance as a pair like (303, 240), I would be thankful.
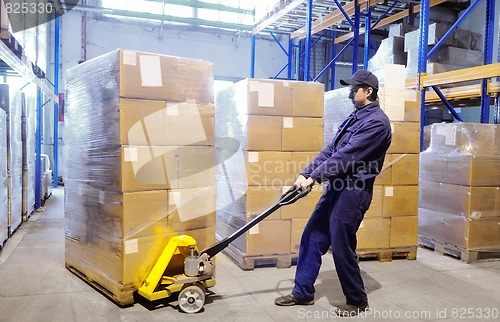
(190, 272)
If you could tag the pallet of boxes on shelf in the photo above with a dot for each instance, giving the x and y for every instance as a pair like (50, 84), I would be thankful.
(3, 179)
(12, 103)
(29, 145)
(459, 206)
(140, 163)
(389, 228)
(267, 131)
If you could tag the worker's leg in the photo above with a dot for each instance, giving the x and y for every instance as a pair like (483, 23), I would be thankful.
(347, 215)
(314, 243)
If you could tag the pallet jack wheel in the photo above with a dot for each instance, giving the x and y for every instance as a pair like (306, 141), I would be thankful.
(192, 298)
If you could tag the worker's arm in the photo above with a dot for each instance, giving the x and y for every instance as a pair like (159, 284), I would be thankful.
(362, 144)
(318, 160)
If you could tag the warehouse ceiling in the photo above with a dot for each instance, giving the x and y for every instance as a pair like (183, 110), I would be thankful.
(278, 16)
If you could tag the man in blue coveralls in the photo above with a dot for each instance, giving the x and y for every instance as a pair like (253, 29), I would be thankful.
(348, 165)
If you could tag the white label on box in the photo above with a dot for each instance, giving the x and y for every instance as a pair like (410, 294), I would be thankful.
(389, 191)
(288, 122)
(130, 154)
(253, 156)
(451, 135)
(361, 225)
(174, 198)
(129, 58)
(266, 95)
(131, 246)
(172, 109)
(285, 189)
(392, 127)
(254, 230)
(150, 71)
(253, 86)
(395, 76)
(101, 197)
(286, 83)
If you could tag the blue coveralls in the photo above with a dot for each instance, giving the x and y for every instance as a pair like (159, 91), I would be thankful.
(349, 165)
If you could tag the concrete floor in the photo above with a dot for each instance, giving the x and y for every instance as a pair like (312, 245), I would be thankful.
(35, 286)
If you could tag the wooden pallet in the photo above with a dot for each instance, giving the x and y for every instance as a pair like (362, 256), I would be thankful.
(122, 298)
(466, 255)
(388, 254)
(248, 263)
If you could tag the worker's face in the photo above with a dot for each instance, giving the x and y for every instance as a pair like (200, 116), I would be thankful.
(359, 95)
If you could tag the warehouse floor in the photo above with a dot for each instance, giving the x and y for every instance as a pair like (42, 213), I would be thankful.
(35, 286)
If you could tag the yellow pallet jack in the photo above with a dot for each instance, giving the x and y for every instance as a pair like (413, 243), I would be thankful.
(191, 271)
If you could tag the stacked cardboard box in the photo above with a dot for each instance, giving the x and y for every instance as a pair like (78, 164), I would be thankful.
(267, 132)
(461, 49)
(12, 103)
(140, 164)
(460, 186)
(390, 51)
(391, 221)
(4, 208)
(29, 146)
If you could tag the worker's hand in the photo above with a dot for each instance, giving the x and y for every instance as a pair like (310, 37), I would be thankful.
(308, 183)
(303, 182)
(299, 181)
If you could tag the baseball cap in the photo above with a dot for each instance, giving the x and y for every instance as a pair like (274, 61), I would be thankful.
(361, 77)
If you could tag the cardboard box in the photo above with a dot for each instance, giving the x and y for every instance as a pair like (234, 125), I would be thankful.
(373, 233)
(165, 78)
(147, 122)
(432, 166)
(304, 207)
(307, 99)
(269, 238)
(384, 177)
(298, 226)
(404, 231)
(400, 105)
(191, 208)
(466, 138)
(196, 166)
(264, 133)
(299, 161)
(473, 170)
(400, 201)
(268, 168)
(266, 97)
(472, 202)
(148, 168)
(376, 206)
(261, 198)
(302, 134)
(404, 169)
(166, 167)
(405, 137)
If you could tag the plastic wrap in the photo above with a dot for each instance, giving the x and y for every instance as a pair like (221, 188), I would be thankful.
(15, 162)
(30, 159)
(267, 131)
(3, 178)
(139, 171)
(390, 51)
(338, 107)
(459, 231)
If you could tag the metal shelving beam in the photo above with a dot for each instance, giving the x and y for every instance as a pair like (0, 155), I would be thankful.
(276, 16)
(332, 18)
(24, 70)
(386, 21)
(461, 75)
(463, 92)
(488, 58)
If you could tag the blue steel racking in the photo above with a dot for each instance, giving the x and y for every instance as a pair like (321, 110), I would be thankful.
(423, 81)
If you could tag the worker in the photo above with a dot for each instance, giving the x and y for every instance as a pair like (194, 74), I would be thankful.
(348, 167)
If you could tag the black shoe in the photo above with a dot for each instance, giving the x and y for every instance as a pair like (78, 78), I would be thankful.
(289, 300)
(349, 310)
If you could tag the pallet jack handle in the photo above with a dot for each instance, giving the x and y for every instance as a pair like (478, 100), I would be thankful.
(288, 198)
